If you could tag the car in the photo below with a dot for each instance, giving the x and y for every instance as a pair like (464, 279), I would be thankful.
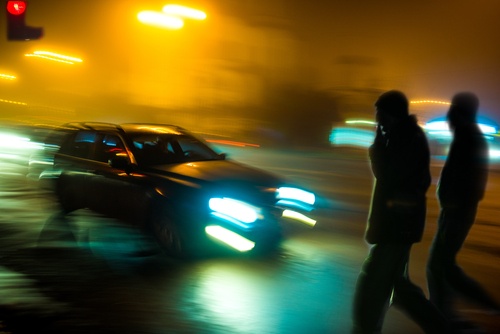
(166, 181)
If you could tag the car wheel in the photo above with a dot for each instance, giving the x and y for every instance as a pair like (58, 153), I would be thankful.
(169, 236)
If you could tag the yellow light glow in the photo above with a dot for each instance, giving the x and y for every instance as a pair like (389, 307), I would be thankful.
(430, 101)
(230, 238)
(52, 54)
(48, 58)
(7, 76)
(54, 57)
(360, 121)
(182, 11)
(160, 20)
(159, 129)
(298, 216)
(13, 102)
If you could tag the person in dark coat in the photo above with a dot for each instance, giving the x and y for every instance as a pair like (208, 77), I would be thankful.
(400, 162)
(461, 187)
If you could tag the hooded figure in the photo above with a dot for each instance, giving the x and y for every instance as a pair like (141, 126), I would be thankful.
(465, 173)
(461, 186)
(400, 161)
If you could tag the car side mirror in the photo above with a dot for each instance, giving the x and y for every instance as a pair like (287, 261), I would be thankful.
(119, 162)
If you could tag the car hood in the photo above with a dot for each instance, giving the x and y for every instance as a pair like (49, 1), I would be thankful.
(219, 171)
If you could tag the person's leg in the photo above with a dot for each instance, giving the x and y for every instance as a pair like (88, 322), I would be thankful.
(444, 275)
(441, 258)
(411, 299)
(457, 279)
(374, 287)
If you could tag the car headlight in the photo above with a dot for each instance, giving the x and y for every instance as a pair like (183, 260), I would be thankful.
(295, 195)
(235, 209)
(230, 238)
(299, 217)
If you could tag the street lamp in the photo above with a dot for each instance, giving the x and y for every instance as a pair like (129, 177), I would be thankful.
(171, 17)
(4, 76)
(54, 57)
(160, 19)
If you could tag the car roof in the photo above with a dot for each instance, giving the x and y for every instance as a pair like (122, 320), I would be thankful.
(153, 128)
(91, 126)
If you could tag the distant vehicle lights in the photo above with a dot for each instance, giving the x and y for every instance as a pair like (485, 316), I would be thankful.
(355, 133)
(440, 126)
(440, 135)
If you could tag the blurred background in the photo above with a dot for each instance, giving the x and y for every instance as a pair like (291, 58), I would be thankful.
(289, 83)
(277, 72)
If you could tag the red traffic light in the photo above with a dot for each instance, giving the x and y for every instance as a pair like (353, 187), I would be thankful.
(17, 30)
(16, 7)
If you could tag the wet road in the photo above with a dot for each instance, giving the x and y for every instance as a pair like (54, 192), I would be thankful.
(82, 273)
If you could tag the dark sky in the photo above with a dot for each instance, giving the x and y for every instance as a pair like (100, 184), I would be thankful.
(429, 49)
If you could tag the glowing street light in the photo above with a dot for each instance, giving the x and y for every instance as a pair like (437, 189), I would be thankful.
(13, 102)
(430, 102)
(4, 76)
(160, 19)
(54, 57)
(190, 13)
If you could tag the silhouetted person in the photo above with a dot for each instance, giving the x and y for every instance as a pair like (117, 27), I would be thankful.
(461, 186)
(400, 162)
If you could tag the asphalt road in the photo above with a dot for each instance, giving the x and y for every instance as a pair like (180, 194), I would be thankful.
(82, 273)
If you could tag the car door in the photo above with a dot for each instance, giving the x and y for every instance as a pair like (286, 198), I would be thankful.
(119, 193)
(73, 160)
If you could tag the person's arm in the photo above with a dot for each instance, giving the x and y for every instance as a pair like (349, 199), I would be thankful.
(377, 153)
(465, 173)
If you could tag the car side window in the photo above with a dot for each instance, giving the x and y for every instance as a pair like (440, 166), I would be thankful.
(81, 145)
(194, 150)
(108, 147)
(155, 150)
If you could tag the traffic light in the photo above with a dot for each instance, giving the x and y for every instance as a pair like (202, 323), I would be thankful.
(17, 30)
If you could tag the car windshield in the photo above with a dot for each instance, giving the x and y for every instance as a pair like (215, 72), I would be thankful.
(160, 149)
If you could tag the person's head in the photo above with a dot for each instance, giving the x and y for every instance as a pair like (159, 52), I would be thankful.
(391, 107)
(463, 109)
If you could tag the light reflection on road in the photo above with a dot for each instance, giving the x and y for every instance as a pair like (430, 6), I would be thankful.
(279, 295)
(306, 288)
